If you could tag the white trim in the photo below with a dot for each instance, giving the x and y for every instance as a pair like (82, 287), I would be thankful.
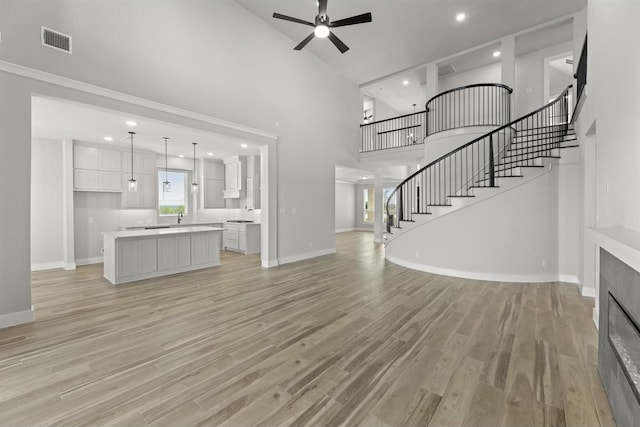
(569, 278)
(596, 318)
(588, 292)
(269, 263)
(120, 96)
(306, 255)
(344, 230)
(86, 261)
(47, 266)
(17, 318)
(493, 277)
(69, 266)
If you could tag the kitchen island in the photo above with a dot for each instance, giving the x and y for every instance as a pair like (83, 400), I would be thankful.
(132, 255)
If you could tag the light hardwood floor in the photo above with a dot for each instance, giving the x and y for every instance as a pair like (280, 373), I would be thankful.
(345, 339)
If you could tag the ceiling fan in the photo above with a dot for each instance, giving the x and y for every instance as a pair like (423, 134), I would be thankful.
(322, 26)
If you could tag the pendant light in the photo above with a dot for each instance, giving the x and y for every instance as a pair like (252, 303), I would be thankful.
(194, 184)
(166, 185)
(133, 184)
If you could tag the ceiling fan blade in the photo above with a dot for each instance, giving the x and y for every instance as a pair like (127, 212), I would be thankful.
(359, 19)
(304, 42)
(289, 18)
(336, 41)
(322, 7)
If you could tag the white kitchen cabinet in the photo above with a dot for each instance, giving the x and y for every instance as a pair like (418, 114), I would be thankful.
(86, 157)
(174, 252)
(96, 169)
(95, 180)
(137, 256)
(142, 163)
(235, 176)
(203, 247)
(131, 255)
(145, 197)
(243, 238)
(253, 183)
(213, 192)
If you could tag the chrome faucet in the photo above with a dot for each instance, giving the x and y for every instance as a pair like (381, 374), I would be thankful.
(179, 217)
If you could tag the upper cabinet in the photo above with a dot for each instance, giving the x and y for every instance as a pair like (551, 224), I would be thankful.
(213, 176)
(235, 176)
(253, 182)
(142, 162)
(96, 169)
(144, 171)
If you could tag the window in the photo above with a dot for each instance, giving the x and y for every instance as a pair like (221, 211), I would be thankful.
(174, 201)
(368, 202)
(392, 204)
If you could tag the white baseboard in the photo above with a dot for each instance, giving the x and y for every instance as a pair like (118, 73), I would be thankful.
(568, 278)
(86, 261)
(588, 292)
(596, 318)
(344, 230)
(269, 263)
(306, 255)
(492, 277)
(47, 266)
(70, 266)
(17, 318)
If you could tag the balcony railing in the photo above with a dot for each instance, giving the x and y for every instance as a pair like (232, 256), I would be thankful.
(402, 131)
(484, 104)
(581, 72)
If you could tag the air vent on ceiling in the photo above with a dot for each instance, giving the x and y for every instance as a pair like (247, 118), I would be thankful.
(445, 70)
(56, 40)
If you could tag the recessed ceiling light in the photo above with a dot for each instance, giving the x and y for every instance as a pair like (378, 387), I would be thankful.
(405, 82)
(460, 17)
(108, 138)
(243, 145)
(496, 54)
(209, 154)
(131, 123)
(181, 155)
(363, 177)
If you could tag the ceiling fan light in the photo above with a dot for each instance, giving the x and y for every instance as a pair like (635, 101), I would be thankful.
(321, 31)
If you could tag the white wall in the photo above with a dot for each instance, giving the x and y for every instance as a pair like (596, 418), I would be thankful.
(360, 224)
(171, 53)
(510, 237)
(486, 74)
(613, 87)
(383, 111)
(46, 204)
(345, 206)
(93, 213)
(529, 90)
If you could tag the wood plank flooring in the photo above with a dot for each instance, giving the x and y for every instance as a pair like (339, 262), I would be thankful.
(344, 339)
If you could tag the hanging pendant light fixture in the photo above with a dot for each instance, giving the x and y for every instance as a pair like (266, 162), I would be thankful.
(194, 184)
(133, 184)
(166, 185)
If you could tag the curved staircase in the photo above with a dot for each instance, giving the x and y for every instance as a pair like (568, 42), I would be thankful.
(510, 156)
(503, 158)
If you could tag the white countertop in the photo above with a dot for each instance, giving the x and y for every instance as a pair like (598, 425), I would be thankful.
(184, 224)
(159, 232)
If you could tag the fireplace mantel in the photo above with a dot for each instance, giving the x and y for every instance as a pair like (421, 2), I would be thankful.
(623, 243)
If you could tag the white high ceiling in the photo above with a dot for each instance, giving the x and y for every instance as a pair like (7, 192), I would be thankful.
(407, 33)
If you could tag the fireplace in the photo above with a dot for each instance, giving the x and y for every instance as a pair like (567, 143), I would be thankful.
(619, 338)
(624, 337)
